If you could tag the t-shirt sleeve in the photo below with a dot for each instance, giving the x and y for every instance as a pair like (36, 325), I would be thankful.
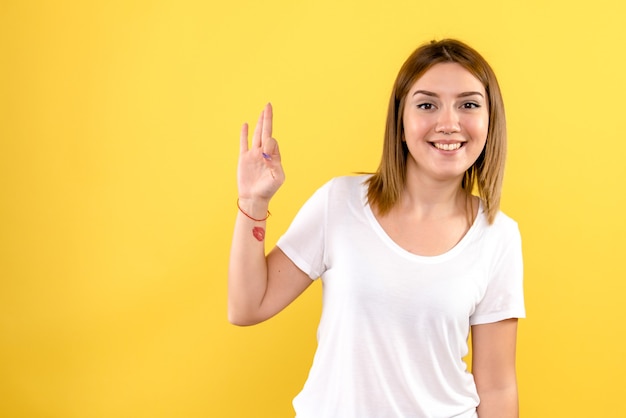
(504, 295)
(303, 242)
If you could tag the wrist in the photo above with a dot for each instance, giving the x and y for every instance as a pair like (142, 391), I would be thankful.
(254, 209)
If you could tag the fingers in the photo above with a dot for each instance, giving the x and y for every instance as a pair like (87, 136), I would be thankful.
(256, 136)
(263, 128)
(267, 122)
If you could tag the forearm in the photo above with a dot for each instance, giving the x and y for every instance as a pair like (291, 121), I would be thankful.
(247, 273)
(499, 403)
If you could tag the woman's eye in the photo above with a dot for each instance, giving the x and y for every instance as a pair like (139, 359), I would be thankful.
(425, 106)
(470, 105)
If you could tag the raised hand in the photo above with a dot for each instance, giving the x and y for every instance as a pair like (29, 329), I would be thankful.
(260, 173)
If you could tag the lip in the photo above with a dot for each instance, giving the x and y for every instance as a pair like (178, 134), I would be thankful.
(447, 142)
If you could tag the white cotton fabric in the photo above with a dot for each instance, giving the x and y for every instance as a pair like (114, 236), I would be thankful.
(394, 325)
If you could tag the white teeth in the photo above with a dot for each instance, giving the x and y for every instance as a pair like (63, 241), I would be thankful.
(447, 147)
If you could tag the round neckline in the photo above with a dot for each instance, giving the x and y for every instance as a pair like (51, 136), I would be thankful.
(380, 231)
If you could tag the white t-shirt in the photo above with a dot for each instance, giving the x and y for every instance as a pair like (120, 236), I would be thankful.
(394, 325)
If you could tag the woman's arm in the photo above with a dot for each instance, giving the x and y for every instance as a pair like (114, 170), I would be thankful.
(259, 286)
(493, 367)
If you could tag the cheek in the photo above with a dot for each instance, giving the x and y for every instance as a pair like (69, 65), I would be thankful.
(478, 127)
(415, 125)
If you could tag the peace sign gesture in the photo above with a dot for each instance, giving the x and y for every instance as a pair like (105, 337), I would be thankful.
(259, 173)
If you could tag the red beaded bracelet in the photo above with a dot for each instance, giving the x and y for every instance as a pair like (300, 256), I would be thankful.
(250, 217)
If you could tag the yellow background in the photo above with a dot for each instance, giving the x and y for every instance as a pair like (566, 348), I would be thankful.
(119, 124)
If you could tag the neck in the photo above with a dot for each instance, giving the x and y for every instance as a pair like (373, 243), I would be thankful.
(433, 199)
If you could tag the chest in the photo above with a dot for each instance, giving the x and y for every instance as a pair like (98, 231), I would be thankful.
(373, 281)
(426, 238)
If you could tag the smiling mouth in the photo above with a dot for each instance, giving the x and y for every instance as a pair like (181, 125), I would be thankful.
(447, 147)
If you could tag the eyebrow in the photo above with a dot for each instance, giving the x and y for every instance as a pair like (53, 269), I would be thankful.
(464, 94)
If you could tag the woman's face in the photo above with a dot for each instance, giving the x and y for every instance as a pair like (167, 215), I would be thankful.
(446, 119)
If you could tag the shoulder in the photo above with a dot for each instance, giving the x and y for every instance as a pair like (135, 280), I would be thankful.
(346, 186)
(342, 196)
(502, 223)
(505, 224)
(502, 233)
(349, 182)
(339, 190)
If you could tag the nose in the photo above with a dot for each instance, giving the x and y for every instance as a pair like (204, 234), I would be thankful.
(448, 121)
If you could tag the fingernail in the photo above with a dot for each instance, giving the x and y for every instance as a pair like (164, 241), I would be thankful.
(267, 156)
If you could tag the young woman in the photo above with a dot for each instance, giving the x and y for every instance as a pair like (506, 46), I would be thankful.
(409, 258)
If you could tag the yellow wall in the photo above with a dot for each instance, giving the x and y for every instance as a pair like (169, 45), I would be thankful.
(119, 124)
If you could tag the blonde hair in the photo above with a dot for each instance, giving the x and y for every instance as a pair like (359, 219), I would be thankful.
(387, 183)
